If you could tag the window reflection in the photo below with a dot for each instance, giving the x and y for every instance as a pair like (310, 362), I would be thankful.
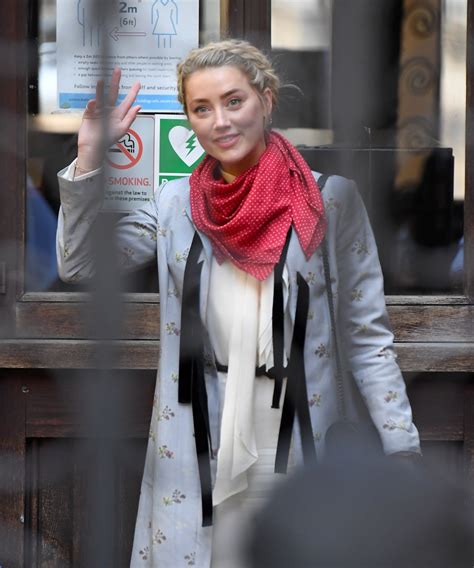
(378, 105)
(52, 145)
(375, 90)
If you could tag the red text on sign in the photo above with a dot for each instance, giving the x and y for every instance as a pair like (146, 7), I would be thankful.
(129, 181)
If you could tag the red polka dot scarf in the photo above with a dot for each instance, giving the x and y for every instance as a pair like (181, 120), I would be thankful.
(248, 220)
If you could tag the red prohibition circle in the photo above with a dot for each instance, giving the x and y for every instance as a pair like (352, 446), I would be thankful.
(133, 159)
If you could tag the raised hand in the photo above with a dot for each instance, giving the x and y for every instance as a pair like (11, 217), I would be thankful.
(104, 123)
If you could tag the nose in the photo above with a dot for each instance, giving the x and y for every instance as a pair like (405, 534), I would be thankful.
(221, 119)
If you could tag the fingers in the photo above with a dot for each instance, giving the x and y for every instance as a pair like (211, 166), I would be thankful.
(130, 117)
(91, 106)
(99, 94)
(128, 101)
(125, 112)
(114, 86)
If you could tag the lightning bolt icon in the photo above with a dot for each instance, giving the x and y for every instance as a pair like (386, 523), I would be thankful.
(191, 143)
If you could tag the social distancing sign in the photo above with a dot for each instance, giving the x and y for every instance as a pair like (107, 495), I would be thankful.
(157, 148)
(145, 38)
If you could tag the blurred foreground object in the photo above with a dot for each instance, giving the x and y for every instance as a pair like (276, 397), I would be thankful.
(367, 513)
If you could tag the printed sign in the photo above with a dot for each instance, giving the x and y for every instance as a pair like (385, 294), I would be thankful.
(127, 152)
(178, 149)
(130, 176)
(145, 38)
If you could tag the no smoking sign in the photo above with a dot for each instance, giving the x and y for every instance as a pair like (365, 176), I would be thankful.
(127, 152)
(131, 167)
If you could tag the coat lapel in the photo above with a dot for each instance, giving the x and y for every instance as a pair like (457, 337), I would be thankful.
(206, 257)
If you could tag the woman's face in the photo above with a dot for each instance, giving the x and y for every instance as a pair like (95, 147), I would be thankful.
(228, 116)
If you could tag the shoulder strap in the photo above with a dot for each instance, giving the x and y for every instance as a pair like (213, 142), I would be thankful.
(278, 327)
(337, 352)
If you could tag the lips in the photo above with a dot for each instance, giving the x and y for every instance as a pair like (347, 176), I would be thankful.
(226, 141)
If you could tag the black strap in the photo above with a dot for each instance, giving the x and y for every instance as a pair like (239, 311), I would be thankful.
(296, 396)
(259, 371)
(202, 441)
(278, 371)
(190, 319)
(191, 385)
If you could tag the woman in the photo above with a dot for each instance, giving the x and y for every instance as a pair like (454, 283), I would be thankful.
(232, 310)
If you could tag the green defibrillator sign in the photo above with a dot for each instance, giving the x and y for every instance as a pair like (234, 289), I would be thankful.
(178, 149)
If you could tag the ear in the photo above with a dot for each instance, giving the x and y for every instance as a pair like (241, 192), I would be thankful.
(267, 101)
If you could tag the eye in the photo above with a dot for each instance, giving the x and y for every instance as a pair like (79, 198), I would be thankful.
(234, 102)
(200, 109)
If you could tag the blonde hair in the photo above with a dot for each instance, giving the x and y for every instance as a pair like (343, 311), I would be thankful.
(237, 53)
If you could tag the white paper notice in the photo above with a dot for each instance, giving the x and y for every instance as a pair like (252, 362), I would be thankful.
(145, 38)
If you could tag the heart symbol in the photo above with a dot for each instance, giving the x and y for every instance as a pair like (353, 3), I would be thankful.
(185, 144)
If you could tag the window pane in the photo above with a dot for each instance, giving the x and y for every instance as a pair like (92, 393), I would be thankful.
(52, 133)
(381, 100)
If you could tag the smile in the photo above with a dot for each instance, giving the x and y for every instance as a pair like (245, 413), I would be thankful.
(226, 141)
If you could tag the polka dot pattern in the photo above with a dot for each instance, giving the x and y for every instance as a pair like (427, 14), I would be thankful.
(248, 219)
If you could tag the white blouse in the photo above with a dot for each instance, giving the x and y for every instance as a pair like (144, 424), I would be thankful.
(239, 322)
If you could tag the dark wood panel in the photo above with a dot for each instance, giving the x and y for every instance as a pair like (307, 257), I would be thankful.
(469, 431)
(436, 357)
(64, 478)
(438, 405)
(128, 492)
(13, 93)
(12, 470)
(250, 20)
(432, 323)
(63, 404)
(75, 354)
(54, 496)
(469, 197)
(56, 404)
(62, 320)
(32, 505)
(423, 300)
(66, 502)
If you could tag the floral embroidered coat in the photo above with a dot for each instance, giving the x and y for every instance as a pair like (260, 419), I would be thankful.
(169, 530)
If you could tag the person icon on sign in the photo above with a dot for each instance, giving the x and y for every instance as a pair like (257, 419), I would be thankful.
(90, 20)
(164, 19)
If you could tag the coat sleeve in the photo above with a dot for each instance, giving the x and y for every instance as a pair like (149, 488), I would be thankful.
(363, 325)
(81, 202)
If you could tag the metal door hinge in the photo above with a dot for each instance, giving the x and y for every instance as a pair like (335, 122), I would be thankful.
(3, 277)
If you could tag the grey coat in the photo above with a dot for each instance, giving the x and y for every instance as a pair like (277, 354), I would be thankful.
(169, 530)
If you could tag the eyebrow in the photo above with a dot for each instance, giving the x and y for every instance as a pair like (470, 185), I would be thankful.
(225, 95)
